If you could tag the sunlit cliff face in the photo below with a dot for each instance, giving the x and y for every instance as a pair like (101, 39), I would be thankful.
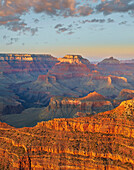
(72, 59)
(17, 57)
(97, 142)
(25, 57)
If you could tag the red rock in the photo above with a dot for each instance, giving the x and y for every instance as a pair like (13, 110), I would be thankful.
(93, 97)
(67, 70)
(103, 141)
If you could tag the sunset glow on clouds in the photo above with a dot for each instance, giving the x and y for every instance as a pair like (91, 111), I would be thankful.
(63, 26)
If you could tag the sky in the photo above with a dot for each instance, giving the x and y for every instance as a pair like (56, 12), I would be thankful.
(95, 29)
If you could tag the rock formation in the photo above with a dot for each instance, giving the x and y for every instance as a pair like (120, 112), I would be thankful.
(94, 96)
(74, 59)
(102, 141)
(60, 107)
(110, 60)
(26, 57)
(25, 63)
(112, 66)
(31, 80)
(65, 107)
(126, 94)
(65, 70)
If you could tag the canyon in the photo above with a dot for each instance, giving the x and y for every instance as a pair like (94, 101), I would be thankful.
(66, 113)
(101, 141)
(61, 107)
(31, 83)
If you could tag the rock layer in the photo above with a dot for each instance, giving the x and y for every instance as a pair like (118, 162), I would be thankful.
(103, 141)
(65, 107)
(17, 63)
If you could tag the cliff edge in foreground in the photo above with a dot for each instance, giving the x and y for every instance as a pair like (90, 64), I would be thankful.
(102, 141)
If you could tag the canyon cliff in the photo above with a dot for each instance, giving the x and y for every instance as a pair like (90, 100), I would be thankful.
(25, 63)
(69, 107)
(103, 141)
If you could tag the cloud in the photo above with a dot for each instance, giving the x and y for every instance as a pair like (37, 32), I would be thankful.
(5, 37)
(12, 41)
(36, 21)
(20, 27)
(52, 7)
(123, 23)
(93, 21)
(84, 10)
(60, 28)
(64, 8)
(56, 7)
(8, 19)
(70, 33)
(58, 25)
(114, 6)
(109, 20)
(12, 10)
(33, 30)
(15, 24)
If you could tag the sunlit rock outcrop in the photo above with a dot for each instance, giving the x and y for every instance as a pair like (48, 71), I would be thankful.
(102, 141)
(74, 59)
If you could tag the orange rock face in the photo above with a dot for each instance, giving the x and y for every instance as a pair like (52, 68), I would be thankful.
(93, 97)
(103, 141)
